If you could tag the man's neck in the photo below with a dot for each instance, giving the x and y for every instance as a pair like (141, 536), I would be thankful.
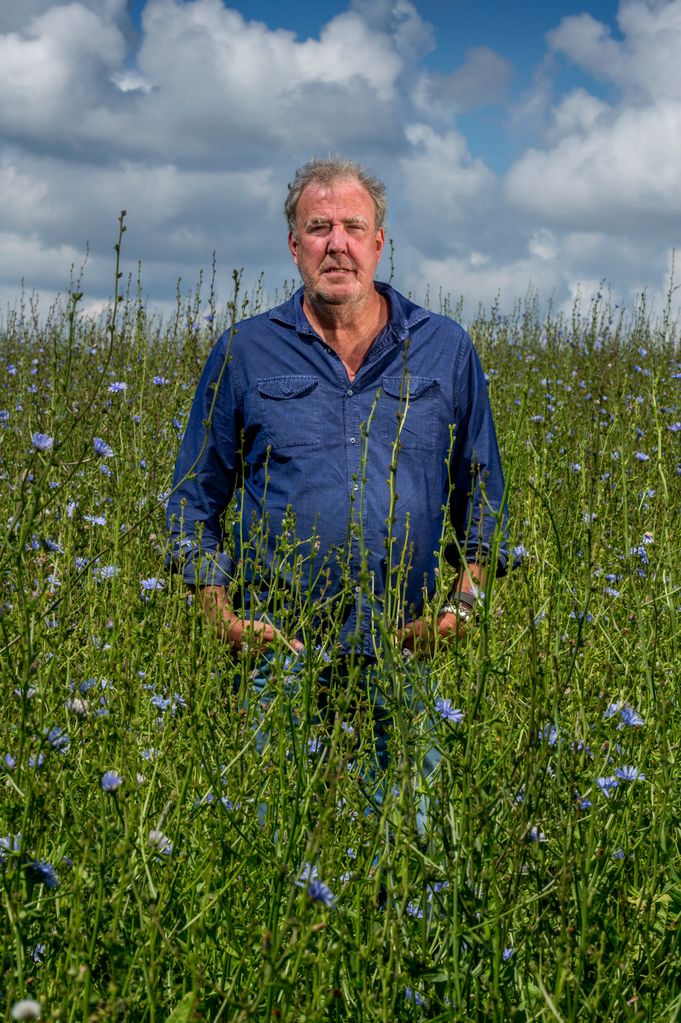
(349, 329)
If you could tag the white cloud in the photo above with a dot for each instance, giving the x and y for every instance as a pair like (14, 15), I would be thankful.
(195, 122)
(620, 176)
(58, 68)
(577, 114)
(644, 64)
(442, 185)
(613, 166)
(481, 79)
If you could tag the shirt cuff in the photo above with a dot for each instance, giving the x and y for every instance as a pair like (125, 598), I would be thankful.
(203, 568)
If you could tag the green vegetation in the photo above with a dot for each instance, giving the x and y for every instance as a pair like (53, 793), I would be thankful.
(156, 866)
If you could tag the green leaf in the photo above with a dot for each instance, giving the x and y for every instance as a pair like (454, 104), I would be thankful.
(183, 1009)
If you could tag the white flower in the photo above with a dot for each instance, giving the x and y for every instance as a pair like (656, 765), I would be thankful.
(26, 1008)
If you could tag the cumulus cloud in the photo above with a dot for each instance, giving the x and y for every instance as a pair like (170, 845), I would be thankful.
(620, 176)
(481, 79)
(194, 120)
(443, 186)
(644, 64)
(613, 166)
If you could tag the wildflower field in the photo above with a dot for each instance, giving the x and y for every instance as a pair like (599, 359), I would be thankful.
(156, 865)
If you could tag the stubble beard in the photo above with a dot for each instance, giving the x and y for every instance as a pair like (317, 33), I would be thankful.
(317, 294)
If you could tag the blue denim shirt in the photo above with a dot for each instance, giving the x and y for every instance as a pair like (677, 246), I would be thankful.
(342, 486)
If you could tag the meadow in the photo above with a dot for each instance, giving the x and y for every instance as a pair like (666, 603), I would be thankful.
(156, 865)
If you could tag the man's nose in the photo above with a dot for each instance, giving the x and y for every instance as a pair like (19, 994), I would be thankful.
(337, 238)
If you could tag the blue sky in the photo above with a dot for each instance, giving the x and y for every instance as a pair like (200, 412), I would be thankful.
(528, 148)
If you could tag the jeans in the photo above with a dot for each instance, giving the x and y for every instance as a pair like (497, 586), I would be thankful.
(395, 703)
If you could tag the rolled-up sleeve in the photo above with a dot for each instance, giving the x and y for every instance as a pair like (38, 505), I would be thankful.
(205, 476)
(477, 507)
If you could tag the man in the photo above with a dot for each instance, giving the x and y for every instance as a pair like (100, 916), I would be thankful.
(349, 421)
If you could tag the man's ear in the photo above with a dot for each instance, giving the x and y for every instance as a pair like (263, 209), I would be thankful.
(293, 247)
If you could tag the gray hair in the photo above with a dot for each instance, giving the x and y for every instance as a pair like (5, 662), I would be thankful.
(329, 170)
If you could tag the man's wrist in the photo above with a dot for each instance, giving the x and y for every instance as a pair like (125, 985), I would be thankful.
(462, 611)
(462, 604)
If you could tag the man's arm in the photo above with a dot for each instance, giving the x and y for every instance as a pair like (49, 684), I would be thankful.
(231, 627)
(422, 635)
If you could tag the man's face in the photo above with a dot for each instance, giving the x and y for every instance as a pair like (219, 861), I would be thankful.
(338, 246)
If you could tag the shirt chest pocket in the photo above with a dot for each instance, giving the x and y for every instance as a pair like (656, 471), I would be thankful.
(409, 411)
(289, 406)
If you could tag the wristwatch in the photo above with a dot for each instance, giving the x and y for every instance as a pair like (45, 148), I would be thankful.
(462, 611)
(463, 608)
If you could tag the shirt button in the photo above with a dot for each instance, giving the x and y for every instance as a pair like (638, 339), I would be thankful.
(353, 440)
(350, 392)
(356, 486)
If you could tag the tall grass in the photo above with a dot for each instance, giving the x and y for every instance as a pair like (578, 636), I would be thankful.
(157, 863)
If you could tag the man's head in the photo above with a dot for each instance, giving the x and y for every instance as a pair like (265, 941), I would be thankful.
(335, 211)
(324, 172)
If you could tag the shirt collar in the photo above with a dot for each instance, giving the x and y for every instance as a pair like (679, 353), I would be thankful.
(404, 315)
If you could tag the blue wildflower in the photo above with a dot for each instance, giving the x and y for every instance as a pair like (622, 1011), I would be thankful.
(447, 712)
(630, 717)
(95, 520)
(58, 739)
(103, 572)
(629, 773)
(159, 381)
(111, 781)
(414, 996)
(641, 456)
(117, 387)
(9, 844)
(160, 843)
(38, 954)
(549, 733)
(41, 872)
(607, 785)
(102, 449)
(42, 441)
(320, 892)
(151, 584)
(415, 910)
(507, 954)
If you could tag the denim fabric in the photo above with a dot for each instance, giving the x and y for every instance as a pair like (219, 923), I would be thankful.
(283, 679)
(341, 486)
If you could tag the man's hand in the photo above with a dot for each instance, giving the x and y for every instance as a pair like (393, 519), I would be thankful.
(421, 635)
(236, 631)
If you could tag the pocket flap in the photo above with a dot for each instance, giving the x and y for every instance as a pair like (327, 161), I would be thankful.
(410, 387)
(291, 386)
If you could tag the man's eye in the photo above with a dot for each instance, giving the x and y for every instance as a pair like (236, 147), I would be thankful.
(319, 229)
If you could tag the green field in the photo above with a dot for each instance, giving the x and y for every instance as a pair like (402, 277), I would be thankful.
(155, 866)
